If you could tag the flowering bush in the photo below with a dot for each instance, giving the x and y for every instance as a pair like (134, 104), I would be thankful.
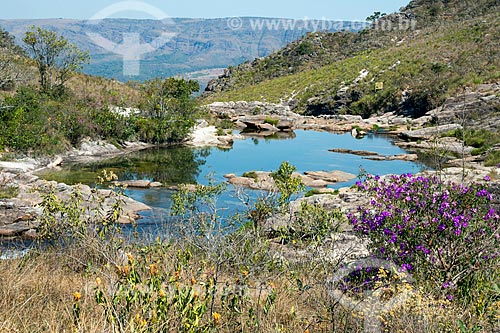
(443, 233)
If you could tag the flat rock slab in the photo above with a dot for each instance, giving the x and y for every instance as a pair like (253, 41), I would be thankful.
(354, 152)
(203, 136)
(330, 177)
(314, 179)
(138, 183)
(17, 229)
(430, 132)
(373, 156)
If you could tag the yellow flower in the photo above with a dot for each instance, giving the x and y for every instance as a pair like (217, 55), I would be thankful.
(98, 281)
(193, 281)
(195, 295)
(153, 269)
(126, 270)
(76, 296)
(216, 317)
(162, 293)
(130, 258)
(245, 273)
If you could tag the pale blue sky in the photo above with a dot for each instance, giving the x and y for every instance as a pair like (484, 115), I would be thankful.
(317, 9)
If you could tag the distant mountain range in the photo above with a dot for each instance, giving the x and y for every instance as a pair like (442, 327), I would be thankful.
(194, 48)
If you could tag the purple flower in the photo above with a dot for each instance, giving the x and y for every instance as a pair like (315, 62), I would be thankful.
(423, 249)
(406, 267)
(482, 193)
(487, 178)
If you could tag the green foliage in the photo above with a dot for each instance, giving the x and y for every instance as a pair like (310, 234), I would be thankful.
(187, 201)
(375, 16)
(305, 47)
(31, 121)
(312, 223)
(313, 192)
(250, 174)
(492, 158)
(287, 184)
(7, 191)
(169, 102)
(429, 67)
(271, 121)
(149, 298)
(483, 142)
(56, 58)
(68, 221)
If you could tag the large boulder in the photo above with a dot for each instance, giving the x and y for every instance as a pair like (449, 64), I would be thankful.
(429, 132)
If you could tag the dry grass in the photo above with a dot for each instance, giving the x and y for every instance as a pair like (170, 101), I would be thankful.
(36, 295)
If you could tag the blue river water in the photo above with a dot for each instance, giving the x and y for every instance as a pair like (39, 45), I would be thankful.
(306, 150)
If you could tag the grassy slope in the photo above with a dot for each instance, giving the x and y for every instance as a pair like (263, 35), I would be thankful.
(92, 89)
(436, 61)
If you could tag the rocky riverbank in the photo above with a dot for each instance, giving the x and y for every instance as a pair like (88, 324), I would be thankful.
(21, 207)
(23, 191)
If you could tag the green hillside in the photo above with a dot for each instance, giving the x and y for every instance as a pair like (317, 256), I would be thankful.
(439, 48)
(198, 45)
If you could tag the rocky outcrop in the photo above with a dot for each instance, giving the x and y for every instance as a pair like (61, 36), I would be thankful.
(438, 145)
(369, 155)
(267, 124)
(91, 151)
(353, 152)
(138, 183)
(19, 215)
(346, 200)
(476, 109)
(330, 177)
(19, 166)
(429, 132)
(253, 116)
(259, 180)
(204, 135)
(233, 109)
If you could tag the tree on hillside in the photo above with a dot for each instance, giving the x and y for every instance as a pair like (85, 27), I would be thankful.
(8, 74)
(9, 51)
(170, 104)
(375, 16)
(7, 41)
(56, 58)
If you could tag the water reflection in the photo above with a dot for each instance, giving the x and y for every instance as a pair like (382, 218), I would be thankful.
(307, 150)
(170, 166)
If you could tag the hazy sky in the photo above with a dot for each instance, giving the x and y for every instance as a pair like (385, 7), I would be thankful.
(316, 9)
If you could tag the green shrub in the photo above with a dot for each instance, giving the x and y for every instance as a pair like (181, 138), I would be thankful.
(271, 121)
(250, 174)
(493, 158)
(313, 192)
